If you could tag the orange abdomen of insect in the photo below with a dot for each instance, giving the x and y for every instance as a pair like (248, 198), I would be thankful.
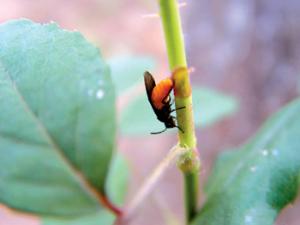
(160, 93)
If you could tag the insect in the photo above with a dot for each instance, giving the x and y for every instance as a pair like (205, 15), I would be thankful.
(158, 96)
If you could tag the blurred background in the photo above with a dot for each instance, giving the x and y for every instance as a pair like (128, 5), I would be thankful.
(246, 59)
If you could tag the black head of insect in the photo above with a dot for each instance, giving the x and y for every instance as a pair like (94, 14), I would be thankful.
(158, 96)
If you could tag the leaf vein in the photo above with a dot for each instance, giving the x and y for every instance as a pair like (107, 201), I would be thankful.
(86, 186)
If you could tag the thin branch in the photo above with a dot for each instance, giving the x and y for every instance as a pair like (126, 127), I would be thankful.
(150, 183)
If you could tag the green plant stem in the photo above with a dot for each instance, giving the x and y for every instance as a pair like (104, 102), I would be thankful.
(189, 163)
(191, 186)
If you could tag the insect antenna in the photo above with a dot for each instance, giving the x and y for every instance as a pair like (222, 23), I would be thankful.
(159, 132)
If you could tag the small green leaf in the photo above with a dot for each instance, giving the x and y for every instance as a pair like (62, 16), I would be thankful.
(251, 185)
(117, 180)
(57, 121)
(210, 106)
(128, 71)
(138, 118)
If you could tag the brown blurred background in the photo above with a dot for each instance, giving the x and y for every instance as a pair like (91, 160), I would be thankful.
(248, 49)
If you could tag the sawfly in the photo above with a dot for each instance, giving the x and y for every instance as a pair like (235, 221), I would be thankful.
(158, 96)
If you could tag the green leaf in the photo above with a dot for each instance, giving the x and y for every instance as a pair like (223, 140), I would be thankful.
(117, 180)
(116, 187)
(251, 185)
(138, 118)
(57, 121)
(210, 106)
(127, 71)
(98, 218)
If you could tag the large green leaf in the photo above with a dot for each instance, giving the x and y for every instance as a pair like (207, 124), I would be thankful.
(116, 186)
(251, 185)
(98, 218)
(210, 106)
(57, 120)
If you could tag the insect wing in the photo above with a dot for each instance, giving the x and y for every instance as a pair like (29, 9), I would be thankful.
(149, 84)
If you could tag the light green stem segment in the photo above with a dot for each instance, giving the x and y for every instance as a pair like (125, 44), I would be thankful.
(191, 193)
(173, 33)
(176, 53)
(170, 17)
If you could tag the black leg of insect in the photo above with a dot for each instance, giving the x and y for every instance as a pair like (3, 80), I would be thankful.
(159, 132)
(179, 128)
(173, 110)
(175, 118)
(171, 103)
